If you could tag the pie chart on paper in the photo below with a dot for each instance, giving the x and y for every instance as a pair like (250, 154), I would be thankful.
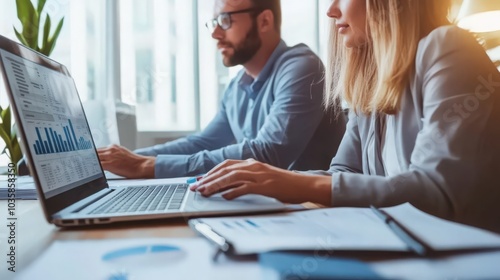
(144, 256)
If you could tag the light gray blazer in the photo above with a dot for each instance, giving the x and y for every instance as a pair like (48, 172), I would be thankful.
(447, 139)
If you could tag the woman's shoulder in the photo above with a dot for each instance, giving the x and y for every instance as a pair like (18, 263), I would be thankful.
(446, 33)
(446, 38)
(447, 42)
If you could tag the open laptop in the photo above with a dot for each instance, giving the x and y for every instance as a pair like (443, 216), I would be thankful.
(63, 160)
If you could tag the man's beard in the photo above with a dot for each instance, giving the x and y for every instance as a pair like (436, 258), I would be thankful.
(244, 51)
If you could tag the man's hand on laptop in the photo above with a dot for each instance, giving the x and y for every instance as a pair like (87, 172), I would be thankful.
(123, 162)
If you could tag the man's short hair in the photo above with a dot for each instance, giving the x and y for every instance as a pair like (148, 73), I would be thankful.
(274, 6)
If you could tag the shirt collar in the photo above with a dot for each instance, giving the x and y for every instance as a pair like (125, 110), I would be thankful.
(247, 80)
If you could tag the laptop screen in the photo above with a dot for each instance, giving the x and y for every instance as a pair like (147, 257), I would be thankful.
(54, 125)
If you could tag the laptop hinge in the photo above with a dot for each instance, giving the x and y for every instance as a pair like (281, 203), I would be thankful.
(92, 201)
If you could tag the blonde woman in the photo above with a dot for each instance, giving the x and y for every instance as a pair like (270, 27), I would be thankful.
(424, 124)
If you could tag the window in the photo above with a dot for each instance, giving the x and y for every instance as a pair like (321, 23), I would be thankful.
(158, 57)
(167, 55)
(80, 46)
(156, 54)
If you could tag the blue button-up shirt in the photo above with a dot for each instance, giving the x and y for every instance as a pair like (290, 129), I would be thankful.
(275, 118)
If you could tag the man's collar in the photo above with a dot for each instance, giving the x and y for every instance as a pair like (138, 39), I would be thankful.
(266, 71)
(268, 67)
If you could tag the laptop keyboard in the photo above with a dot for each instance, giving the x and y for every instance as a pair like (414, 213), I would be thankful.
(145, 199)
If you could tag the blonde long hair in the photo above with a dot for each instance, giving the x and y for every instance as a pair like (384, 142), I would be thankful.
(372, 77)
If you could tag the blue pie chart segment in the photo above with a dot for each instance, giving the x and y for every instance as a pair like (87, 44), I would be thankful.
(144, 255)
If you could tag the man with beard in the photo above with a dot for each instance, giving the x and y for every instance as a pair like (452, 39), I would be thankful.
(271, 111)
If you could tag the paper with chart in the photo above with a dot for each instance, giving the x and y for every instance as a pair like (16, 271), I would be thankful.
(137, 258)
(348, 229)
(322, 229)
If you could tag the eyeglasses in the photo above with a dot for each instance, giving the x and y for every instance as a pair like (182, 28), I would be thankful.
(224, 21)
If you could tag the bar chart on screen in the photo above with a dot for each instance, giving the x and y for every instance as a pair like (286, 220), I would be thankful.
(59, 142)
(64, 147)
(53, 123)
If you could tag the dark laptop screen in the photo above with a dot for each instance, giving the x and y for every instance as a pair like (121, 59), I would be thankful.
(54, 125)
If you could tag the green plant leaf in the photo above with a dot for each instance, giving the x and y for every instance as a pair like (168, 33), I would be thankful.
(24, 10)
(6, 120)
(46, 48)
(16, 152)
(1, 134)
(53, 38)
(30, 21)
(9, 136)
(6, 138)
(21, 38)
(46, 31)
(41, 4)
(12, 148)
(34, 30)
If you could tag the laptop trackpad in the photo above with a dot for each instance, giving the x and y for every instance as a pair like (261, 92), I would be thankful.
(217, 202)
(249, 198)
(215, 197)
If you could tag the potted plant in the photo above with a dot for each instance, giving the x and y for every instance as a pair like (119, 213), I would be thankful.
(31, 35)
(9, 136)
(30, 19)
